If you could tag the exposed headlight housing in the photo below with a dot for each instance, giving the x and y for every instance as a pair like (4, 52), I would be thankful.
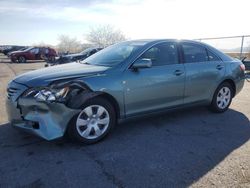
(47, 94)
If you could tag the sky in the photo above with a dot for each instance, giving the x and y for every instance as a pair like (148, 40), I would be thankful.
(27, 22)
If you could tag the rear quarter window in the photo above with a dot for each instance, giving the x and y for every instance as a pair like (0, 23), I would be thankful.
(212, 56)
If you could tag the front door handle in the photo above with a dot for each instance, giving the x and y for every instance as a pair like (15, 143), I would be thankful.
(178, 72)
(219, 67)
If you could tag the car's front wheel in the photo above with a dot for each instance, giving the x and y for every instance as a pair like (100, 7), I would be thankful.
(21, 59)
(52, 58)
(94, 122)
(222, 98)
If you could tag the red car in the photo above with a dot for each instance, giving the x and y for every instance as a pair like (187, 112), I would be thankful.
(33, 53)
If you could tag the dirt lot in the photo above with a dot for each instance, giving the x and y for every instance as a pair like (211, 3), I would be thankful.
(193, 148)
(7, 72)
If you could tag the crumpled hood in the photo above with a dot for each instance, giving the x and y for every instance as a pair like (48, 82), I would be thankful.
(44, 76)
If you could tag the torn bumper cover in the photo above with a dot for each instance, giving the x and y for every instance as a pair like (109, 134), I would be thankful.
(47, 120)
(45, 112)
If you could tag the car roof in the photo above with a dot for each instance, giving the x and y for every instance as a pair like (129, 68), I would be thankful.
(223, 56)
(155, 41)
(165, 40)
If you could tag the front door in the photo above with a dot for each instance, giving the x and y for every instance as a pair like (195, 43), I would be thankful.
(34, 54)
(160, 86)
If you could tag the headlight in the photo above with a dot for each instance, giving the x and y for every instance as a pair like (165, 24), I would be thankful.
(47, 94)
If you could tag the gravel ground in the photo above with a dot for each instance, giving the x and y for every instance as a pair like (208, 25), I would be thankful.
(187, 148)
(7, 72)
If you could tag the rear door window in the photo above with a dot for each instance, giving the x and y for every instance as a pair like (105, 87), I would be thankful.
(194, 53)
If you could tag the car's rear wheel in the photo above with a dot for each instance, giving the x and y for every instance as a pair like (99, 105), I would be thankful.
(94, 122)
(222, 98)
(21, 59)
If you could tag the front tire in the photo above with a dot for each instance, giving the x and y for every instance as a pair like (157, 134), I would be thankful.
(21, 59)
(94, 122)
(52, 59)
(222, 98)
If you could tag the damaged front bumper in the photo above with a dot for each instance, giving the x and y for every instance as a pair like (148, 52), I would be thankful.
(47, 120)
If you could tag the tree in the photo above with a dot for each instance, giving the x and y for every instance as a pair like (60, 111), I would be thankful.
(105, 35)
(68, 44)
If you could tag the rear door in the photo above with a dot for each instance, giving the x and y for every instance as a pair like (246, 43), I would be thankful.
(157, 87)
(204, 70)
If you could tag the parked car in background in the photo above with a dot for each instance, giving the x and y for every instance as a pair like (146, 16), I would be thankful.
(74, 57)
(2, 48)
(7, 49)
(33, 53)
(246, 62)
(129, 79)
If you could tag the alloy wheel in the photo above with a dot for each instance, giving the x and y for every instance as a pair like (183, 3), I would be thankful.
(92, 122)
(21, 59)
(223, 97)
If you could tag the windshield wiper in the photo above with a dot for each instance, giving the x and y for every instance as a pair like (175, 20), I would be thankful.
(84, 62)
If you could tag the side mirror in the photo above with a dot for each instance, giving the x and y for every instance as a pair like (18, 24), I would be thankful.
(142, 63)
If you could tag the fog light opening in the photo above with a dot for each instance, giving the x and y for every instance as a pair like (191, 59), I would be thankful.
(35, 125)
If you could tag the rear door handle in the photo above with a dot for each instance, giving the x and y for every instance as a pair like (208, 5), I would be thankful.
(219, 67)
(178, 72)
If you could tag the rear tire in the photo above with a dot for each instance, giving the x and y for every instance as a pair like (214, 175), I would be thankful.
(94, 122)
(222, 98)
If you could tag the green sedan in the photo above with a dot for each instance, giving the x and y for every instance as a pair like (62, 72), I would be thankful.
(87, 99)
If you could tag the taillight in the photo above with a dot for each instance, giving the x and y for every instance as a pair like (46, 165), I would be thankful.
(242, 67)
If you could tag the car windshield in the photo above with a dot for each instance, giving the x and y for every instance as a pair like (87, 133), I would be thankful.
(27, 49)
(115, 54)
(86, 51)
(22, 49)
